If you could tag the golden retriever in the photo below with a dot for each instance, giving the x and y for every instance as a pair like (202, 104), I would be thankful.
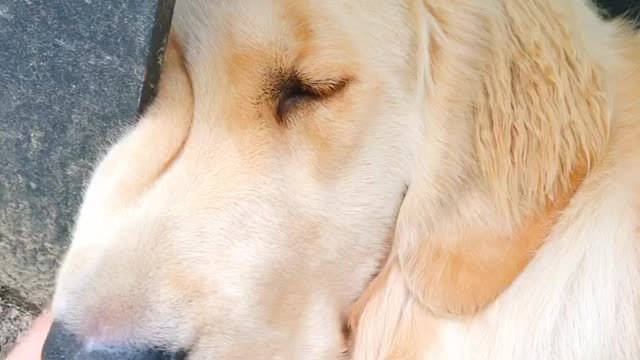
(372, 179)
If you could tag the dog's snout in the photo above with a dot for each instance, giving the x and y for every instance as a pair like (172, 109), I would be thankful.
(61, 344)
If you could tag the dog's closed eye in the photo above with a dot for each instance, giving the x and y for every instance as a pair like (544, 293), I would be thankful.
(297, 91)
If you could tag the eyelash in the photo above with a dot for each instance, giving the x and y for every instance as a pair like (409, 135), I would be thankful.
(297, 90)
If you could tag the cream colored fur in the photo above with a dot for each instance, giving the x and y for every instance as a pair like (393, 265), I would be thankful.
(473, 188)
(558, 87)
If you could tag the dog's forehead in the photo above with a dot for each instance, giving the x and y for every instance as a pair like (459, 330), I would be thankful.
(208, 27)
(238, 44)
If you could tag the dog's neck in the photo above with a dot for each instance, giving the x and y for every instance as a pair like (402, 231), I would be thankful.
(546, 114)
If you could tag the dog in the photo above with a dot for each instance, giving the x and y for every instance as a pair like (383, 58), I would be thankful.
(406, 179)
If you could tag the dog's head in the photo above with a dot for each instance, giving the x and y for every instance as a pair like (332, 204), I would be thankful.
(255, 199)
(259, 194)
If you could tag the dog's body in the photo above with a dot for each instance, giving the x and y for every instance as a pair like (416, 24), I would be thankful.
(579, 297)
(489, 150)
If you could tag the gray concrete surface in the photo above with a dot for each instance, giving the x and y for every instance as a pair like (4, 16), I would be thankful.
(73, 74)
(15, 321)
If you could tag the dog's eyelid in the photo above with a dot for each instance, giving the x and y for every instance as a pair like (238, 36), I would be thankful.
(325, 87)
(300, 88)
(320, 86)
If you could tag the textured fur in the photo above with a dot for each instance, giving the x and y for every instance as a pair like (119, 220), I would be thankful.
(464, 187)
(544, 91)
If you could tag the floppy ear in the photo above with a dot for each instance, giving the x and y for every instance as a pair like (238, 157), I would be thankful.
(514, 120)
(460, 269)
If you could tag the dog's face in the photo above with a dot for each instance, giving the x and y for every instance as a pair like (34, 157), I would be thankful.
(253, 202)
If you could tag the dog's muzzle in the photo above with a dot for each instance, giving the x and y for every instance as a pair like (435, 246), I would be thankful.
(63, 345)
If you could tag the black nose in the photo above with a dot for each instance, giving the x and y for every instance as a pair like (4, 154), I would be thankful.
(63, 345)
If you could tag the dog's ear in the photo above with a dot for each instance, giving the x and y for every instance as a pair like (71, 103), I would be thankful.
(460, 265)
(514, 120)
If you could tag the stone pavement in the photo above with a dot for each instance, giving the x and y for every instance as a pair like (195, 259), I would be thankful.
(73, 74)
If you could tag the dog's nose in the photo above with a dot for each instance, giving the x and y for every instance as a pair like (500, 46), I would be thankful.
(63, 345)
